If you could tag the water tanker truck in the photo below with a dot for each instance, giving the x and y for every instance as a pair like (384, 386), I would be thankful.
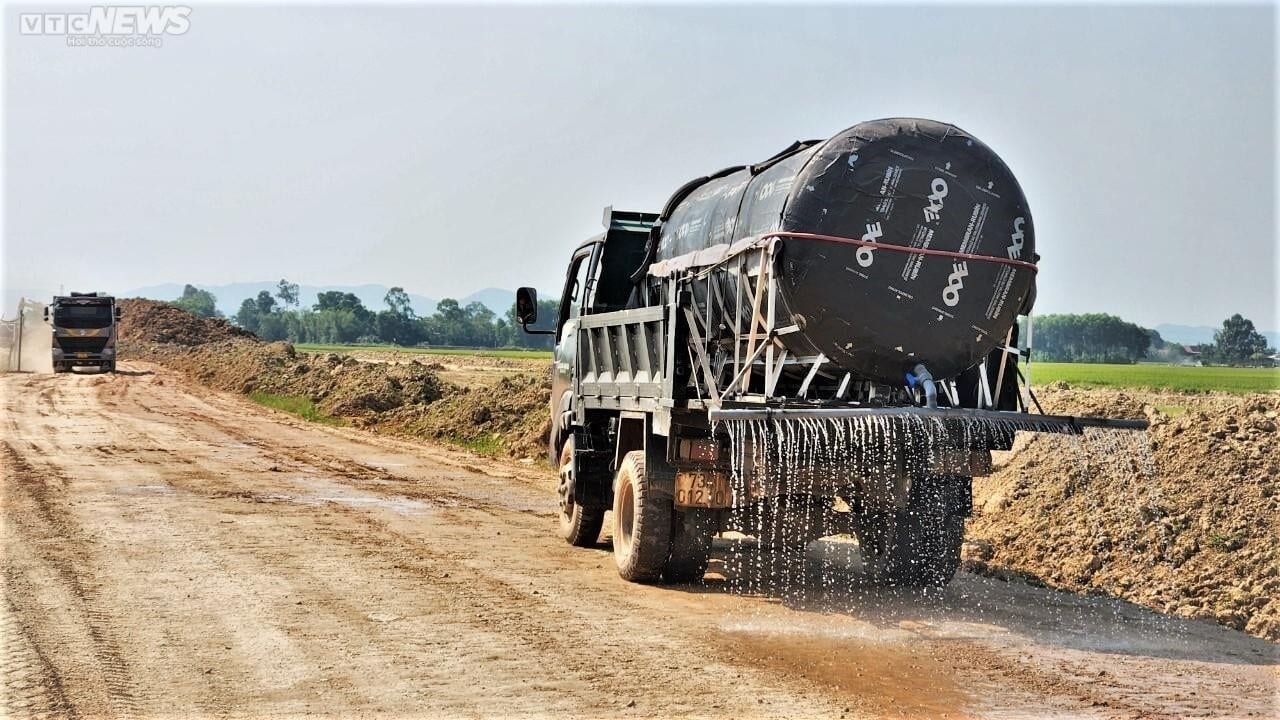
(823, 342)
(84, 331)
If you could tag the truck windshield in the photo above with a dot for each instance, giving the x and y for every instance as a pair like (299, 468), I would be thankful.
(83, 316)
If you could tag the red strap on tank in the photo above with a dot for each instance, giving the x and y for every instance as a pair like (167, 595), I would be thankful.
(900, 248)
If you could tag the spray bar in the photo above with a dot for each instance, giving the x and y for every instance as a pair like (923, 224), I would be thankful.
(1068, 424)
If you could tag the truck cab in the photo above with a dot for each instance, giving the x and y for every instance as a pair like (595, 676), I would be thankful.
(598, 280)
(84, 331)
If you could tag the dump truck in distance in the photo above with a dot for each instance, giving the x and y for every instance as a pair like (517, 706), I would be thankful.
(84, 331)
(824, 342)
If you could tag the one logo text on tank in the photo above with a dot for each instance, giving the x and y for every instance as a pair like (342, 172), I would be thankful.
(955, 283)
(865, 256)
(1015, 248)
(933, 211)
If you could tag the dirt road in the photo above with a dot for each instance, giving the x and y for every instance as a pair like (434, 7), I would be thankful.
(170, 551)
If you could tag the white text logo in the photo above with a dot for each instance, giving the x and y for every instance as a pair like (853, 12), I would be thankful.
(1015, 250)
(939, 188)
(955, 283)
(865, 258)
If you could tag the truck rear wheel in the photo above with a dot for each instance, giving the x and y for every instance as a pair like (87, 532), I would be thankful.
(691, 535)
(918, 547)
(580, 526)
(641, 522)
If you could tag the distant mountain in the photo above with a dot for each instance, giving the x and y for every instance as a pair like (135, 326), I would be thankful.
(1197, 334)
(1185, 334)
(496, 299)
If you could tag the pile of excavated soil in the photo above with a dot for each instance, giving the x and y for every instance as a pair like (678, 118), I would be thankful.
(339, 386)
(148, 322)
(507, 416)
(1184, 519)
(511, 414)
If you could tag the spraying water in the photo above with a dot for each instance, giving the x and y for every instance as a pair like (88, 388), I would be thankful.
(796, 480)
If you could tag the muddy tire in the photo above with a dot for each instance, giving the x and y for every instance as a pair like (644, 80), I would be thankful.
(911, 548)
(641, 522)
(691, 535)
(578, 525)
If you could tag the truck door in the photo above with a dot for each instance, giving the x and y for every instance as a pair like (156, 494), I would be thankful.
(572, 304)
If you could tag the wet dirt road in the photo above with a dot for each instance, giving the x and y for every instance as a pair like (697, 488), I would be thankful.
(171, 551)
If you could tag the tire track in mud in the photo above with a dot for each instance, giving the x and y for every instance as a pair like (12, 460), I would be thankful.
(36, 515)
(484, 606)
(32, 686)
(317, 460)
(1043, 683)
(475, 600)
(539, 626)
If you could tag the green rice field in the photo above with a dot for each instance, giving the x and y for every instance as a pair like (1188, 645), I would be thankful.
(1159, 377)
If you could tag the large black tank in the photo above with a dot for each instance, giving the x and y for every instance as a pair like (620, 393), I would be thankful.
(900, 181)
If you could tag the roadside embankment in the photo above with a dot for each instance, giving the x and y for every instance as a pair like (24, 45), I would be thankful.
(405, 398)
(1184, 519)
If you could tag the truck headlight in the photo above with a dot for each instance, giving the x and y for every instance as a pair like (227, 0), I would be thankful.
(108, 351)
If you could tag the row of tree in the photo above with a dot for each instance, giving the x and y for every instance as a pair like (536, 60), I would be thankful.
(1091, 338)
(1238, 343)
(339, 317)
(1101, 338)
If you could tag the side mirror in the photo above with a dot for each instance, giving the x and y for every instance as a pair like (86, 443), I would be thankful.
(119, 313)
(46, 313)
(527, 305)
(527, 311)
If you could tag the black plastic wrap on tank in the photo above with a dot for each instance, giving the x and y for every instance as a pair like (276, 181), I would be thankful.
(905, 182)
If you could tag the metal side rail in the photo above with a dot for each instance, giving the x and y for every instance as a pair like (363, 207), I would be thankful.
(1030, 422)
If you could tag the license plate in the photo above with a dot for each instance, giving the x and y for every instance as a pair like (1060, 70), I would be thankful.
(82, 355)
(707, 489)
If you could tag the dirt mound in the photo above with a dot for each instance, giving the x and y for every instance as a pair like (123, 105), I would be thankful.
(509, 417)
(146, 322)
(340, 386)
(505, 417)
(1183, 519)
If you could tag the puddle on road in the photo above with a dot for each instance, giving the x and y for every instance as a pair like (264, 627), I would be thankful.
(878, 671)
(145, 490)
(326, 491)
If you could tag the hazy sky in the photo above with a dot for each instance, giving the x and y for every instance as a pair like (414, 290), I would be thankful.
(447, 149)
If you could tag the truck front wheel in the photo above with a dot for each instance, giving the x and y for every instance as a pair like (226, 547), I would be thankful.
(580, 526)
(642, 522)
